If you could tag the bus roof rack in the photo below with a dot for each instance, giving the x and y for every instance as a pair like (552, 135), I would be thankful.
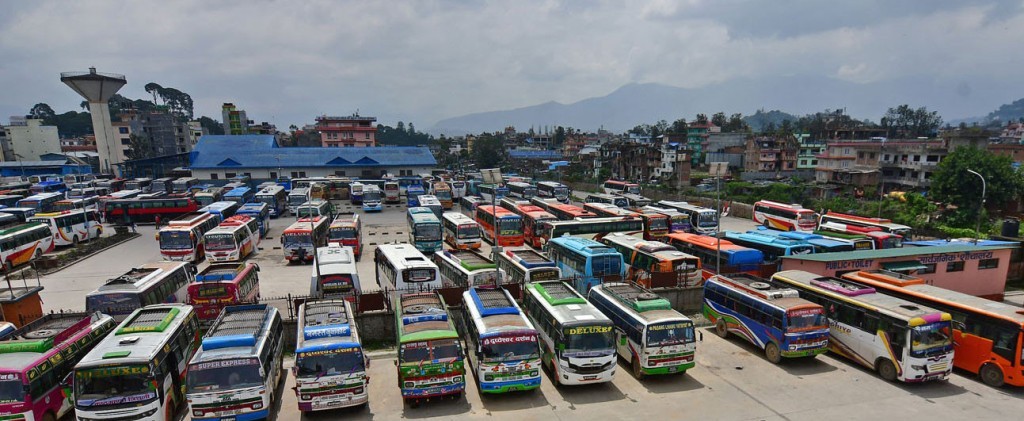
(636, 297)
(492, 301)
(237, 326)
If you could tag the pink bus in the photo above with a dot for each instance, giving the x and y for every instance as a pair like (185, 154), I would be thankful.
(35, 359)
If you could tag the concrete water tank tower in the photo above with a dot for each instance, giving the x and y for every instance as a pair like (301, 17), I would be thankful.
(97, 88)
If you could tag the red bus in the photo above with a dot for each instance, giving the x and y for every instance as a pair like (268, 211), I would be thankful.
(570, 212)
(509, 225)
(656, 225)
(182, 239)
(881, 239)
(347, 231)
(221, 285)
(146, 210)
(614, 186)
(534, 221)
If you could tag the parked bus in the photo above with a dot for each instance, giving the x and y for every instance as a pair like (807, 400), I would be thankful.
(773, 248)
(653, 337)
(552, 189)
(703, 220)
(784, 217)
(315, 207)
(880, 239)
(10, 200)
(468, 204)
(591, 228)
(586, 261)
(490, 193)
(143, 184)
(402, 267)
(276, 199)
(297, 197)
(240, 195)
(221, 285)
(209, 195)
(347, 230)
(443, 192)
(243, 179)
(521, 190)
(986, 333)
(466, 268)
(146, 209)
(899, 339)
(299, 239)
(9, 221)
(112, 185)
(677, 221)
(524, 265)
(653, 264)
(150, 284)
(613, 186)
(617, 201)
(424, 229)
(235, 372)
(36, 358)
(656, 225)
(372, 200)
(735, 258)
(501, 342)
(577, 340)
(48, 187)
(183, 184)
(260, 212)
(859, 242)
(334, 273)
(356, 192)
(883, 224)
(412, 195)
(536, 222)
(162, 185)
(76, 204)
(509, 226)
(819, 243)
(87, 192)
(460, 232)
(635, 201)
(458, 189)
(770, 316)
(138, 370)
(71, 226)
(569, 212)
(224, 209)
(23, 243)
(392, 193)
(430, 358)
(41, 202)
(331, 370)
(430, 202)
(233, 240)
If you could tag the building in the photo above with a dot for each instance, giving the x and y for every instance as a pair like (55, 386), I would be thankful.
(234, 119)
(219, 157)
(195, 131)
(627, 160)
(849, 163)
(770, 154)
(1013, 150)
(910, 164)
(697, 135)
(350, 131)
(28, 139)
(807, 158)
(155, 167)
(1012, 133)
(60, 165)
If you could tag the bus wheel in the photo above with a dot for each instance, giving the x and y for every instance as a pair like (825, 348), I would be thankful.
(720, 328)
(74, 241)
(48, 416)
(991, 375)
(886, 370)
(36, 255)
(638, 370)
(771, 352)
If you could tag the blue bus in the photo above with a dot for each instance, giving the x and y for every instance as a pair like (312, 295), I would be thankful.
(412, 195)
(258, 211)
(406, 181)
(766, 314)
(820, 243)
(735, 258)
(225, 209)
(586, 261)
(424, 229)
(48, 187)
(276, 199)
(373, 200)
(773, 248)
(240, 195)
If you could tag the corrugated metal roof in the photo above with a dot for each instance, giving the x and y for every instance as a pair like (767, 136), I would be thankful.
(261, 151)
(521, 154)
(897, 252)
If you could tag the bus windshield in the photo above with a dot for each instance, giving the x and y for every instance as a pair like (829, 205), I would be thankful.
(335, 284)
(469, 231)
(307, 211)
(341, 361)
(220, 241)
(892, 242)
(633, 189)
(667, 334)
(175, 240)
(415, 352)
(224, 375)
(659, 224)
(428, 232)
(606, 265)
(509, 348)
(807, 218)
(806, 319)
(343, 233)
(296, 200)
(588, 341)
(930, 339)
(298, 240)
(510, 226)
(371, 196)
(127, 385)
(113, 303)
(707, 219)
(561, 191)
(443, 195)
(11, 390)
(269, 200)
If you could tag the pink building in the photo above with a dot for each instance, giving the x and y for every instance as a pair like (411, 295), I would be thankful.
(976, 270)
(350, 131)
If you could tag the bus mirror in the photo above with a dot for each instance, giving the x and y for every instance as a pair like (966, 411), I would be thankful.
(257, 266)
(156, 236)
(958, 325)
(700, 336)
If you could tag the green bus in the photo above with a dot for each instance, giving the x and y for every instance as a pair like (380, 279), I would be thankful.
(431, 363)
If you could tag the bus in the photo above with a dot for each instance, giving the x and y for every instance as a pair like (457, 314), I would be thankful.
(85, 192)
(773, 248)
(402, 267)
(424, 229)
(9, 221)
(577, 340)
(617, 201)
(233, 240)
(703, 220)
(150, 284)
(162, 185)
(36, 358)
(536, 222)
(897, 338)
(147, 209)
(372, 200)
(392, 194)
(879, 238)
(500, 226)
(331, 370)
(677, 221)
(302, 236)
(76, 204)
(653, 337)
(819, 243)
(297, 197)
(430, 358)
(885, 225)
(460, 231)
(443, 192)
(235, 372)
(276, 199)
(635, 201)
(521, 190)
(656, 225)
(555, 190)
(784, 217)
(24, 243)
(591, 228)
(48, 187)
(113, 185)
(356, 192)
(243, 179)
(569, 212)
(490, 193)
(653, 264)
(859, 242)
(209, 195)
(614, 186)
(71, 226)
(586, 261)
(430, 202)
(412, 195)
(240, 195)
(347, 230)
(770, 316)
(466, 268)
(334, 273)
(315, 207)
(986, 334)
(458, 189)
(223, 284)
(524, 265)
(183, 184)
(259, 212)
(41, 202)
(143, 184)
(10, 200)
(468, 204)
(735, 258)
(138, 370)
(224, 209)
(502, 343)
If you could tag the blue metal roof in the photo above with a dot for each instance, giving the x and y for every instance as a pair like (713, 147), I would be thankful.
(261, 151)
(521, 154)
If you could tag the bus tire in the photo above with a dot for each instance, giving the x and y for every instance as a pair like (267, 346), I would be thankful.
(991, 375)
(74, 241)
(48, 417)
(721, 329)
(772, 353)
(638, 370)
(38, 253)
(886, 370)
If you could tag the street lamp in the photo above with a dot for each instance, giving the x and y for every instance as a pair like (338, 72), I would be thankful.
(20, 165)
(718, 170)
(492, 176)
(977, 227)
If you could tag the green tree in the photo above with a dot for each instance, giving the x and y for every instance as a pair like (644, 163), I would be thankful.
(489, 152)
(41, 111)
(719, 119)
(678, 126)
(953, 184)
(906, 122)
(213, 126)
(701, 119)
(559, 136)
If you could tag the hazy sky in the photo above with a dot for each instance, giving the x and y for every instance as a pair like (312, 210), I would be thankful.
(422, 61)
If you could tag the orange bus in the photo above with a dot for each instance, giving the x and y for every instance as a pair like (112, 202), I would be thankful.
(653, 264)
(987, 335)
(656, 225)
(569, 212)
(734, 258)
(221, 285)
(347, 231)
(534, 221)
(509, 225)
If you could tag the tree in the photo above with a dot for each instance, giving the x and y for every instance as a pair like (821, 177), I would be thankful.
(701, 119)
(412, 129)
(678, 126)
(559, 136)
(153, 88)
(41, 111)
(718, 119)
(212, 126)
(488, 152)
(951, 183)
(641, 130)
(400, 126)
(735, 124)
(906, 122)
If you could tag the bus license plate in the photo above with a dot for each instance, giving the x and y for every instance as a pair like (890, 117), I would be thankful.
(673, 369)
(585, 378)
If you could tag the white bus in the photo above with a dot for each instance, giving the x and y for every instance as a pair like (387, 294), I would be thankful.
(431, 202)
(652, 336)
(152, 283)
(899, 339)
(501, 342)
(460, 231)
(614, 186)
(24, 242)
(577, 340)
(137, 371)
(401, 266)
(42, 202)
(330, 367)
(237, 369)
(297, 197)
(275, 197)
(552, 189)
(466, 268)
(524, 265)
(233, 240)
(702, 220)
(334, 273)
(70, 227)
(784, 217)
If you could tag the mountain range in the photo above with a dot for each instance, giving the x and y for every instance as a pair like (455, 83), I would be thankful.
(640, 103)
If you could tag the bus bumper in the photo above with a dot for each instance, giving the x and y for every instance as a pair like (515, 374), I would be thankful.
(250, 416)
(669, 369)
(324, 403)
(452, 389)
(804, 353)
(510, 386)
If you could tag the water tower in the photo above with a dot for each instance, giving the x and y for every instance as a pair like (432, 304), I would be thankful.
(97, 88)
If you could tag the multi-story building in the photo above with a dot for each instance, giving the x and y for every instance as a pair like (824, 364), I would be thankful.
(195, 131)
(851, 163)
(350, 131)
(27, 139)
(910, 163)
(234, 119)
(807, 158)
(770, 154)
(631, 161)
(1013, 132)
(696, 137)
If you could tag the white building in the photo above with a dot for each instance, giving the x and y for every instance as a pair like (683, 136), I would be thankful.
(27, 139)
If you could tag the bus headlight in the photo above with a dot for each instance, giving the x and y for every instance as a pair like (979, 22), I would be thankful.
(305, 397)
(409, 385)
(197, 413)
(488, 378)
(358, 391)
(919, 367)
(534, 373)
(257, 406)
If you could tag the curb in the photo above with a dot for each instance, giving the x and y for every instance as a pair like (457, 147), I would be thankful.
(136, 235)
(382, 354)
